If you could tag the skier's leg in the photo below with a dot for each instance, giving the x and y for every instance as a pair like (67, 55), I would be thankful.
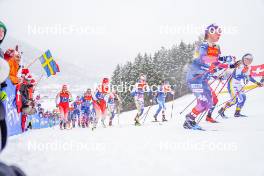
(66, 114)
(163, 111)
(204, 102)
(158, 110)
(103, 112)
(97, 116)
(241, 101)
(210, 111)
(140, 110)
(61, 109)
(232, 92)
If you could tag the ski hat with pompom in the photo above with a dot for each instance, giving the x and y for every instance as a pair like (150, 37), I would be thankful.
(212, 28)
(2, 25)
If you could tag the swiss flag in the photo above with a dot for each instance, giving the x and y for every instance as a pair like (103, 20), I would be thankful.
(257, 70)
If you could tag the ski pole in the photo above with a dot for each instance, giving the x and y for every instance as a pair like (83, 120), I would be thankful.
(251, 89)
(146, 114)
(172, 106)
(199, 75)
(228, 79)
(232, 97)
(188, 106)
(196, 98)
(217, 85)
(201, 117)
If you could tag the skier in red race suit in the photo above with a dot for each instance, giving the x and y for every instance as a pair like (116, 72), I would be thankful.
(62, 102)
(100, 102)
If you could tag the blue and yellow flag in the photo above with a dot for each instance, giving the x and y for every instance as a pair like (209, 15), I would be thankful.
(48, 63)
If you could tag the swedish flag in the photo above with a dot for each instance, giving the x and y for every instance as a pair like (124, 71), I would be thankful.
(48, 63)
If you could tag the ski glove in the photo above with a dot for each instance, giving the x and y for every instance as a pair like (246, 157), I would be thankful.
(3, 96)
(213, 69)
(259, 84)
(227, 59)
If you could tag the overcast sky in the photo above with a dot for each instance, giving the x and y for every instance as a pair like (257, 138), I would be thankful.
(116, 30)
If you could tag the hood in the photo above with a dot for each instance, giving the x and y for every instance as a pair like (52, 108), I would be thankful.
(2, 25)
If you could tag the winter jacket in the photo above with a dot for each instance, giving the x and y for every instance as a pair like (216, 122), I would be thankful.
(14, 67)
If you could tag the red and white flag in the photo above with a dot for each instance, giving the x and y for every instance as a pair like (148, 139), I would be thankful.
(257, 70)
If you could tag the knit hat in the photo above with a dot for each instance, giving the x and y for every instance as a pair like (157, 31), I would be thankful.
(2, 25)
(212, 28)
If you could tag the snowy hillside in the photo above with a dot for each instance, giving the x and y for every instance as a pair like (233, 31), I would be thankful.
(231, 147)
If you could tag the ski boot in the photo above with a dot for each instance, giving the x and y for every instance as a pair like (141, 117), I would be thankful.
(164, 118)
(137, 123)
(221, 112)
(61, 124)
(103, 123)
(210, 119)
(110, 122)
(238, 114)
(64, 125)
(190, 123)
(155, 118)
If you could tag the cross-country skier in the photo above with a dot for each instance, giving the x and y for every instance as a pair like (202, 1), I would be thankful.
(161, 95)
(235, 86)
(87, 108)
(100, 102)
(62, 102)
(77, 111)
(138, 92)
(207, 62)
(113, 105)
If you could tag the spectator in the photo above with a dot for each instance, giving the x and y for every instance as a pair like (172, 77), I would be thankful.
(2, 36)
(26, 90)
(14, 64)
(5, 169)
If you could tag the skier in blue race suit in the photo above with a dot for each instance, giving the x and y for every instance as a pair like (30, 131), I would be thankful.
(208, 61)
(138, 93)
(161, 95)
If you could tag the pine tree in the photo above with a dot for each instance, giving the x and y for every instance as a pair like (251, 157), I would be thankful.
(166, 64)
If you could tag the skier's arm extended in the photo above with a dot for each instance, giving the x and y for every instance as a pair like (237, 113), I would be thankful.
(260, 84)
(70, 97)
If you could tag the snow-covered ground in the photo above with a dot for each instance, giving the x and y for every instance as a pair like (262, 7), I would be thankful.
(231, 147)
